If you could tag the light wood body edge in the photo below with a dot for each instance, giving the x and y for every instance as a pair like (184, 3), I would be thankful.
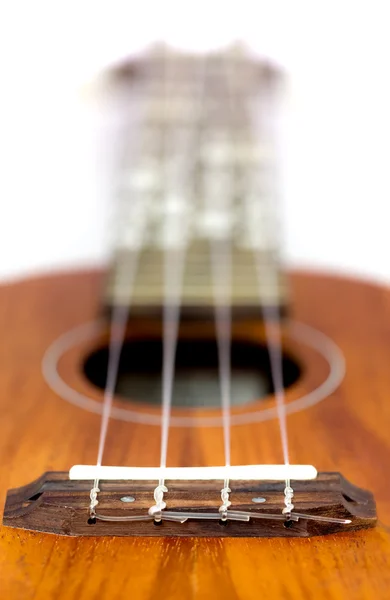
(348, 432)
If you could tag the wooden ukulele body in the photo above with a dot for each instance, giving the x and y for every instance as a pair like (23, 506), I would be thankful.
(346, 432)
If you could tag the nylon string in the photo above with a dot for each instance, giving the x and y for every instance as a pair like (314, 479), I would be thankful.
(266, 127)
(220, 198)
(180, 148)
(123, 274)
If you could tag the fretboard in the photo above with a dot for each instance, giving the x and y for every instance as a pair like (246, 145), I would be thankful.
(197, 164)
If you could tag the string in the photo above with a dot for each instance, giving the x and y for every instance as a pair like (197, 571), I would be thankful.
(174, 253)
(173, 275)
(221, 267)
(177, 174)
(117, 334)
(121, 307)
(266, 124)
(119, 318)
(273, 336)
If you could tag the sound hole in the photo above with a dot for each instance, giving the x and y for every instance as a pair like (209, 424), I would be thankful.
(196, 377)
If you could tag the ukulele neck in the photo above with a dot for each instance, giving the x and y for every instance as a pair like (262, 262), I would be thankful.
(197, 168)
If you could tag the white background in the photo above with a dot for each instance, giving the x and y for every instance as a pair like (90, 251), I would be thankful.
(53, 196)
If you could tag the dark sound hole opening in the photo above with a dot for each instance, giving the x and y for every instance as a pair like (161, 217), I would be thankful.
(196, 381)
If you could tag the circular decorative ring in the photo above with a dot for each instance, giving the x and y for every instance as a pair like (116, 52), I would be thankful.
(300, 332)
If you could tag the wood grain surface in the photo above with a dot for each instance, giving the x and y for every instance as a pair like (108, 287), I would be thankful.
(348, 432)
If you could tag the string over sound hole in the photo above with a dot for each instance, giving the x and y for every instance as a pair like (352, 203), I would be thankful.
(196, 372)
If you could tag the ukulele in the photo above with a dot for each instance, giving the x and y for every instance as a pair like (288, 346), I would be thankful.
(195, 422)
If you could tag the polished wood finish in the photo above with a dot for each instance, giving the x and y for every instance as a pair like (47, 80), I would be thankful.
(55, 504)
(348, 432)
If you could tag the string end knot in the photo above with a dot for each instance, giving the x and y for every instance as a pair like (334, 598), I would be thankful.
(288, 496)
(156, 510)
(94, 501)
